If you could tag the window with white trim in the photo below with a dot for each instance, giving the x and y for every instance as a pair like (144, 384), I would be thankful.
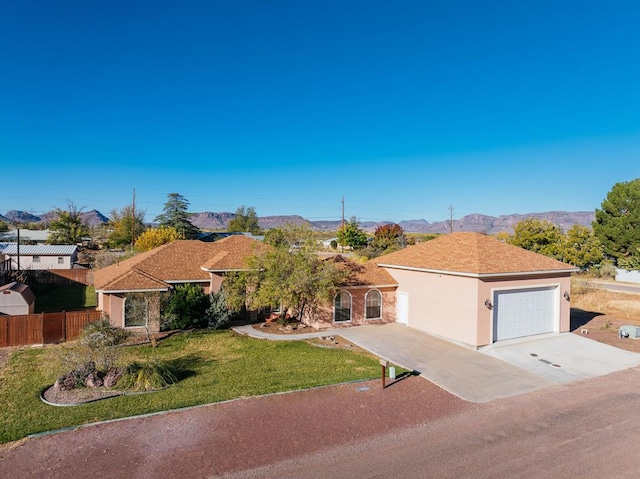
(60, 260)
(342, 307)
(36, 259)
(373, 304)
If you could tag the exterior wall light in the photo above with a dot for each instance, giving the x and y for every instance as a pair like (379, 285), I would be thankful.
(488, 304)
(566, 295)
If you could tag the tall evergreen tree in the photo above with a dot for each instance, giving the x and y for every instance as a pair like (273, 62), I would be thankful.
(175, 215)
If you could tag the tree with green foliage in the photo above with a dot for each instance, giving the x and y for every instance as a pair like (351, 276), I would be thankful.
(175, 215)
(187, 307)
(154, 237)
(386, 239)
(125, 227)
(352, 235)
(617, 223)
(540, 236)
(581, 247)
(245, 221)
(290, 274)
(68, 227)
(4, 227)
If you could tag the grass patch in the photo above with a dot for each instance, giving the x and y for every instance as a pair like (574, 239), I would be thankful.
(53, 298)
(213, 366)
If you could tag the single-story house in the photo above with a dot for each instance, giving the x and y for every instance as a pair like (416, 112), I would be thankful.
(160, 269)
(475, 289)
(16, 298)
(26, 236)
(41, 256)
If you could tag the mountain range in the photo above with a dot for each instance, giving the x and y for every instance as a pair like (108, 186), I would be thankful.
(475, 222)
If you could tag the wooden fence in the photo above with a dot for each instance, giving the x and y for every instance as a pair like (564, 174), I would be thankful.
(44, 328)
(65, 277)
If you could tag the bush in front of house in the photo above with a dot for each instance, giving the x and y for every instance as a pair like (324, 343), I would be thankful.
(91, 361)
(187, 307)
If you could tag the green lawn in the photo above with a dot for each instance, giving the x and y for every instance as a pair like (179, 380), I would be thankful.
(53, 298)
(221, 366)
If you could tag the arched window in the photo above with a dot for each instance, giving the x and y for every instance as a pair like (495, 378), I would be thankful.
(342, 307)
(135, 312)
(373, 304)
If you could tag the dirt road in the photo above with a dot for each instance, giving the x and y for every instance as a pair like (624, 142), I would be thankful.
(587, 429)
(584, 430)
(217, 439)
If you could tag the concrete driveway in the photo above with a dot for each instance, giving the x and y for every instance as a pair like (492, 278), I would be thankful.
(564, 357)
(501, 370)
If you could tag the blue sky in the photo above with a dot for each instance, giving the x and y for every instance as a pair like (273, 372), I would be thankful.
(404, 108)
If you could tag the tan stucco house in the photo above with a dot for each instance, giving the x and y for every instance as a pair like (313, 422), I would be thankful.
(160, 269)
(475, 289)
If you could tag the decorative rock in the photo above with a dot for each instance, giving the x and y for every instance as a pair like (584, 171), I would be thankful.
(93, 380)
(112, 377)
(302, 326)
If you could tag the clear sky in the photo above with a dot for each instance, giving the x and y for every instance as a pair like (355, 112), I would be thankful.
(402, 107)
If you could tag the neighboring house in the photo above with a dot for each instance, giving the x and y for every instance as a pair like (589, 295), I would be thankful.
(623, 275)
(41, 256)
(26, 236)
(16, 298)
(367, 296)
(475, 289)
(160, 269)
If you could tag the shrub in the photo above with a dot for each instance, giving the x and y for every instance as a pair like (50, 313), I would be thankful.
(147, 376)
(96, 349)
(187, 307)
(218, 314)
(606, 271)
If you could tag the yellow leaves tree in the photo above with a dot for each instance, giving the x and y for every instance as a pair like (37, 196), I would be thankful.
(154, 237)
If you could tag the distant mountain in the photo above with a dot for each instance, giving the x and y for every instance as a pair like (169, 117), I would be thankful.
(94, 218)
(474, 222)
(16, 216)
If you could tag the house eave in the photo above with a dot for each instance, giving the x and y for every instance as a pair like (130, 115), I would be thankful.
(370, 286)
(484, 275)
(120, 291)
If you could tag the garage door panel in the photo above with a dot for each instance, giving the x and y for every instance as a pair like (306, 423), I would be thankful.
(523, 312)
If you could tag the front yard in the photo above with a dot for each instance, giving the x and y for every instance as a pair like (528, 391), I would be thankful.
(220, 366)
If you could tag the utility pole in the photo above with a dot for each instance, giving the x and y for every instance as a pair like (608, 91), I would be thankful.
(341, 245)
(133, 218)
(451, 218)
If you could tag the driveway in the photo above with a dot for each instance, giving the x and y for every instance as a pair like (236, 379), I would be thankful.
(497, 371)
(564, 357)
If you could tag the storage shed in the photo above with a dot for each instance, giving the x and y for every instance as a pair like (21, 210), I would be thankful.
(16, 298)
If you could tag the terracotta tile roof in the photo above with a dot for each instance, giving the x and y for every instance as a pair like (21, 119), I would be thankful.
(363, 274)
(472, 253)
(230, 254)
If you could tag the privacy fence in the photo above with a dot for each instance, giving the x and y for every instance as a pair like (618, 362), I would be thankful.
(44, 328)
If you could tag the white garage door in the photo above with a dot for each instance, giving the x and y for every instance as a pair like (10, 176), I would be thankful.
(523, 312)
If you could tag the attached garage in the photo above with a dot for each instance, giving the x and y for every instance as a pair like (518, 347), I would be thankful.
(524, 312)
(475, 289)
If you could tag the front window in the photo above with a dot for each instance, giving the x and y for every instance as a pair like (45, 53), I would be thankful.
(36, 259)
(374, 305)
(342, 307)
(135, 312)
(60, 260)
